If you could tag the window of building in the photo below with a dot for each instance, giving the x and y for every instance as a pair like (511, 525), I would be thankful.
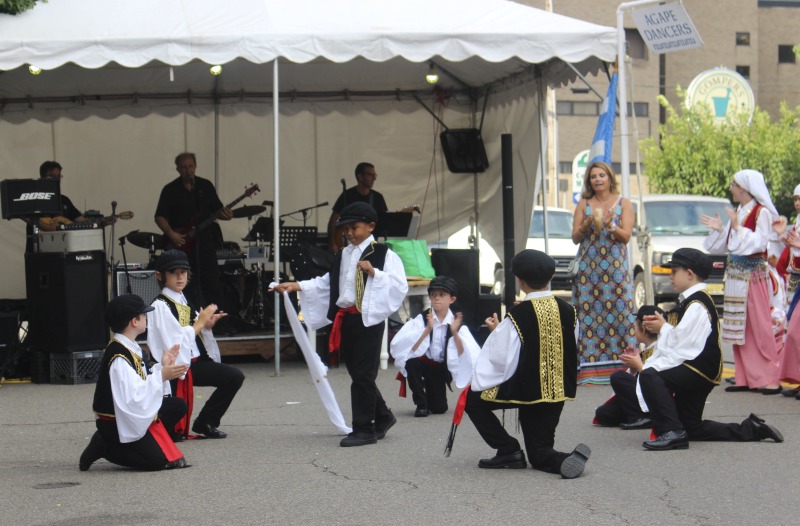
(642, 109)
(786, 54)
(743, 71)
(585, 108)
(636, 47)
(617, 167)
(742, 39)
(564, 167)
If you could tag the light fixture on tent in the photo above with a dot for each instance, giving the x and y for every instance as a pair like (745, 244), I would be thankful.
(433, 76)
(215, 70)
(34, 70)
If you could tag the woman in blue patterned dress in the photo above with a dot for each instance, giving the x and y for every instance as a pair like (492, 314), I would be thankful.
(602, 291)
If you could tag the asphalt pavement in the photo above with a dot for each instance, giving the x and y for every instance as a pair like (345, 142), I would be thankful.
(282, 464)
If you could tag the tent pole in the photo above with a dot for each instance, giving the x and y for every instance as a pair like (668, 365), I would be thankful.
(276, 172)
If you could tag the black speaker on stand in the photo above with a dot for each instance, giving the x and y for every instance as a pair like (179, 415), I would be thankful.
(462, 266)
(463, 151)
(67, 294)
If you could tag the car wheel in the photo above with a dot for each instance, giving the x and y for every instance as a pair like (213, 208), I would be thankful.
(639, 291)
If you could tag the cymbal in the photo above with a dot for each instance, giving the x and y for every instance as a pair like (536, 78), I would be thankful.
(248, 211)
(143, 239)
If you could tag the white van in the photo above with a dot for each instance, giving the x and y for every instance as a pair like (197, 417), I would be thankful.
(673, 222)
(560, 247)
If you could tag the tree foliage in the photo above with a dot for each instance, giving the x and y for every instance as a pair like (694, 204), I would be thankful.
(12, 7)
(699, 156)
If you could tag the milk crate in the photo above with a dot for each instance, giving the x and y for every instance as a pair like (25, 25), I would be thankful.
(75, 368)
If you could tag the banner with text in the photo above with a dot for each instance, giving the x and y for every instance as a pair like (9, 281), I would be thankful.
(666, 28)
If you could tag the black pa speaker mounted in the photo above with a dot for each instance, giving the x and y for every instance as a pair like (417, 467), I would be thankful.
(463, 151)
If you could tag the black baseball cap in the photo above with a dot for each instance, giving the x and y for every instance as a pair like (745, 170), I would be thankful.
(445, 283)
(124, 308)
(355, 212)
(172, 259)
(692, 259)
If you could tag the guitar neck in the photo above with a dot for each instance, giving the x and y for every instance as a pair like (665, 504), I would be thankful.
(213, 217)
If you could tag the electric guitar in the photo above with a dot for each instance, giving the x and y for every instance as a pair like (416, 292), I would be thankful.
(63, 221)
(192, 228)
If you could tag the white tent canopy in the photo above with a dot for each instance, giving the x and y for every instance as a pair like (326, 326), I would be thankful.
(125, 85)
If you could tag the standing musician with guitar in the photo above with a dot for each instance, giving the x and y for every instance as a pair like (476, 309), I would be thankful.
(363, 192)
(69, 213)
(185, 203)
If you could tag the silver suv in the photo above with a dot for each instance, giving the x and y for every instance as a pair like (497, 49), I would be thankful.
(672, 222)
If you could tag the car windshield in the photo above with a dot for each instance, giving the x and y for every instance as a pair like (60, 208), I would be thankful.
(670, 218)
(559, 224)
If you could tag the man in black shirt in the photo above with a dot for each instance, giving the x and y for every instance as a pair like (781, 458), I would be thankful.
(365, 175)
(185, 203)
(52, 170)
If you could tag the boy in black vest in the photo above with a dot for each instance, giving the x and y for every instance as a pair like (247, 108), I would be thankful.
(366, 284)
(129, 401)
(623, 409)
(687, 364)
(530, 363)
(434, 348)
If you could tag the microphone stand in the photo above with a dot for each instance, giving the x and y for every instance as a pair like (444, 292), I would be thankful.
(113, 224)
(124, 262)
(305, 211)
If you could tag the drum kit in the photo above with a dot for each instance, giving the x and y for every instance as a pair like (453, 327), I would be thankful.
(244, 289)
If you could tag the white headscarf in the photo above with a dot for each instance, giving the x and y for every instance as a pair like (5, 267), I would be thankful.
(796, 190)
(753, 182)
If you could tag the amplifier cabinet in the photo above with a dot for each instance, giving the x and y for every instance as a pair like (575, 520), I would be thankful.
(67, 294)
(140, 282)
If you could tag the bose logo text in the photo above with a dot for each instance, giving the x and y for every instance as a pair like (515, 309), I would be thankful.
(35, 196)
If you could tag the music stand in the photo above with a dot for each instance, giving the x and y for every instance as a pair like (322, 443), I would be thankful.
(395, 224)
(262, 230)
(290, 239)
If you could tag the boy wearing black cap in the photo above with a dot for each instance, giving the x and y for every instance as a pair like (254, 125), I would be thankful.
(434, 348)
(366, 284)
(623, 408)
(129, 402)
(529, 362)
(174, 321)
(687, 364)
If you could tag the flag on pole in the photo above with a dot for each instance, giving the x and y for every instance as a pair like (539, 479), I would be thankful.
(604, 135)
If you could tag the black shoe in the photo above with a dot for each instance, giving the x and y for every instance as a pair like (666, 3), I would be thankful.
(669, 440)
(383, 426)
(730, 380)
(797, 396)
(177, 437)
(574, 464)
(770, 390)
(737, 388)
(642, 423)
(178, 464)
(359, 438)
(208, 431)
(421, 411)
(762, 430)
(93, 452)
(514, 460)
(790, 392)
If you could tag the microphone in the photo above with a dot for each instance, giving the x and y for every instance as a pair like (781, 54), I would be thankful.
(113, 207)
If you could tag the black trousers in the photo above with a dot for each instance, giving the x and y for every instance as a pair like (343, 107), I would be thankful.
(227, 380)
(538, 423)
(625, 406)
(361, 350)
(428, 384)
(144, 453)
(685, 410)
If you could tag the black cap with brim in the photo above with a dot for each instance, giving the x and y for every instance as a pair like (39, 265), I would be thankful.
(123, 309)
(172, 259)
(533, 266)
(692, 259)
(445, 283)
(355, 212)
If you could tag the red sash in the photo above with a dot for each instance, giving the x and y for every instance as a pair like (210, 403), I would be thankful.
(163, 439)
(335, 341)
(750, 223)
(402, 379)
(185, 390)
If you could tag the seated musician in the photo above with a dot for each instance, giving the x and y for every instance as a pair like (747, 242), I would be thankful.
(363, 192)
(184, 203)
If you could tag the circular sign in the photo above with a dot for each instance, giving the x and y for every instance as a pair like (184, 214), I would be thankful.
(579, 164)
(724, 92)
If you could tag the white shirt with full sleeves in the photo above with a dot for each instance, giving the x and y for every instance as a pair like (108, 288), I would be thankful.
(164, 330)
(742, 241)
(681, 343)
(136, 401)
(383, 293)
(499, 356)
(460, 367)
